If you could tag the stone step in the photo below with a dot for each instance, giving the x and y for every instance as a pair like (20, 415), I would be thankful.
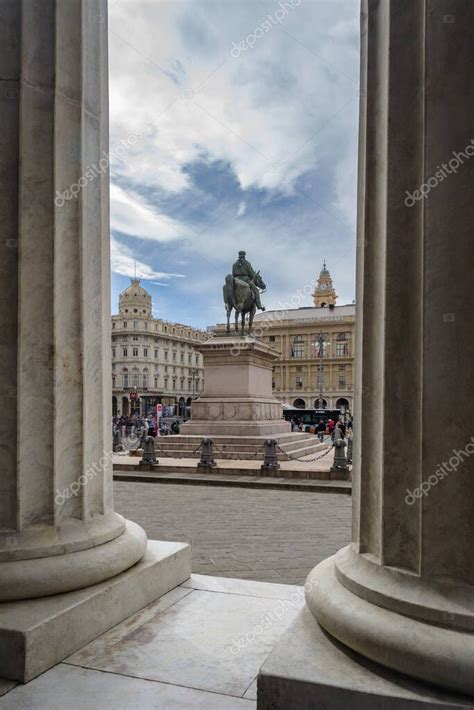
(229, 452)
(255, 440)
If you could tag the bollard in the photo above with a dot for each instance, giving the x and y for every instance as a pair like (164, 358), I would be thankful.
(207, 461)
(339, 469)
(349, 449)
(149, 453)
(117, 440)
(270, 463)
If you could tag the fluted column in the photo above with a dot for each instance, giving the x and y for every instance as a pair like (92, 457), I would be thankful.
(402, 593)
(58, 528)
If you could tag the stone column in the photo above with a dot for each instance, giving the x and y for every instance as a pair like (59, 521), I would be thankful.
(58, 528)
(402, 593)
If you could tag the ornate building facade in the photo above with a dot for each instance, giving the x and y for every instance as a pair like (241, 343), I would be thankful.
(316, 346)
(153, 361)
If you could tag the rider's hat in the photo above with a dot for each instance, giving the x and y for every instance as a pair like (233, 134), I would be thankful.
(242, 253)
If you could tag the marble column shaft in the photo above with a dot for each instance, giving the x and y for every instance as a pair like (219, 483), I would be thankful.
(411, 559)
(55, 380)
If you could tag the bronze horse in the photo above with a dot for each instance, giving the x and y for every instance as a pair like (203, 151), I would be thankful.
(239, 295)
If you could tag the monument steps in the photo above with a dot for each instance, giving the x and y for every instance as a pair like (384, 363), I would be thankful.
(292, 445)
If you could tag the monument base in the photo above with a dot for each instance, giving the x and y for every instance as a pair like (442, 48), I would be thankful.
(309, 669)
(242, 428)
(237, 399)
(35, 634)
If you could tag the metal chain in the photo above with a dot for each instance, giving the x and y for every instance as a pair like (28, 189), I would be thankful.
(302, 458)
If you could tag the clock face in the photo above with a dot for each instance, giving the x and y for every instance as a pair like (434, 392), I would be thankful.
(323, 287)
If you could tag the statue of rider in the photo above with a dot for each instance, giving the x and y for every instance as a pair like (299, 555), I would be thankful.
(243, 270)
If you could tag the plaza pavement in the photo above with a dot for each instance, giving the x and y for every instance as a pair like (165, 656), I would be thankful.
(266, 535)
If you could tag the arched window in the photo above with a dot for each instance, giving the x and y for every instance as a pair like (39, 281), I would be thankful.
(135, 379)
(125, 379)
(145, 378)
(343, 404)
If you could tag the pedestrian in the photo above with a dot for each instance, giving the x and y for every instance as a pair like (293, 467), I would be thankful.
(321, 430)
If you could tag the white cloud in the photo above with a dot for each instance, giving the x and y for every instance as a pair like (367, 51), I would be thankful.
(258, 112)
(131, 216)
(242, 209)
(124, 263)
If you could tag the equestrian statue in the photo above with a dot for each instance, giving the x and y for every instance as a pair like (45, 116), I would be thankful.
(241, 292)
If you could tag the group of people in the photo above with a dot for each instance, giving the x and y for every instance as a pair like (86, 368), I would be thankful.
(323, 428)
(139, 426)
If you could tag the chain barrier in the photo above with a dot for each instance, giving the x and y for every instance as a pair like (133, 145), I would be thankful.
(302, 458)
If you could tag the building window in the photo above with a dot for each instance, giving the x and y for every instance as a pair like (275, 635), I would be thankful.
(113, 352)
(135, 324)
(197, 359)
(156, 381)
(145, 380)
(113, 381)
(145, 352)
(156, 354)
(125, 380)
(271, 338)
(182, 357)
(174, 357)
(125, 324)
(135, 338)
(190, 358)
(125, 352)
(297, 350)
(135, 380)
(166, 354)
(166, 368)
(113, 326)
(342, 346)
(342, 375)
(145, 323)
(299, 382)
(135, 352)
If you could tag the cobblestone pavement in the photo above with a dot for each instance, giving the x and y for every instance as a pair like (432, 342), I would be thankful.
(271, 536)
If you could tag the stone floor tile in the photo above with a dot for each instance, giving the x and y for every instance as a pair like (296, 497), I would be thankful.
(208, 640)
(80, 689)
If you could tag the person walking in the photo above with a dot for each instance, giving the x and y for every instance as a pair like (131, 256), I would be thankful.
(321, 430)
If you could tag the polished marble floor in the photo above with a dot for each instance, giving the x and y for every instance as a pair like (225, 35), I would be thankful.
(199, 646)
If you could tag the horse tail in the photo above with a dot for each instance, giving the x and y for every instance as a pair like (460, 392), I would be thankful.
(229, 295)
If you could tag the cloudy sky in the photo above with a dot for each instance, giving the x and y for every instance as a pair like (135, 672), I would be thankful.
(237, 121)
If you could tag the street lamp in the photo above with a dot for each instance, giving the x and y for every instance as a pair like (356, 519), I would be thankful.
(194, 373)
(320, 343)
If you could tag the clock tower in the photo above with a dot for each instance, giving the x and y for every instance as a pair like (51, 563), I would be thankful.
(324, 294)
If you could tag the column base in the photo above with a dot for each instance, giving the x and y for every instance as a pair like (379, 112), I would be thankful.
(430, 653)
(309, 669)
(56, 574)
(36, 634)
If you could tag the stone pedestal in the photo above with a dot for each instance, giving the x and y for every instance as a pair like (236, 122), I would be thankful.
(237, 399)
(58, 528)
(402, 594)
